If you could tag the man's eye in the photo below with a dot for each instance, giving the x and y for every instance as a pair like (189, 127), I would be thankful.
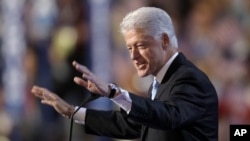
(140, 46)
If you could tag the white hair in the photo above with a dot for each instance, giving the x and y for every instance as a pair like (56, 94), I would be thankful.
(154, 21)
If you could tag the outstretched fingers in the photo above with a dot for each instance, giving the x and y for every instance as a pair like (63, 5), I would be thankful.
(89, 81)
(81, 68)
(87, 75)
(38, 91)
(43, 93)
(81, 82)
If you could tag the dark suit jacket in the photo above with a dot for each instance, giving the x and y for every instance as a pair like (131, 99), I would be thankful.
(185, 109)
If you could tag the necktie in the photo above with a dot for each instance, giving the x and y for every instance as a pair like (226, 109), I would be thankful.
(154, 88)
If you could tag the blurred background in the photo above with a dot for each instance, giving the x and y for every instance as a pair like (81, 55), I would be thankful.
(39, 39)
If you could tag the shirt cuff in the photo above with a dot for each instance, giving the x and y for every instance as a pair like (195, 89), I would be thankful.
(123, 100)
(80, 115)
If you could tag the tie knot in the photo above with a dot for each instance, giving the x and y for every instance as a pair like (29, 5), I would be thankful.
(155, 83)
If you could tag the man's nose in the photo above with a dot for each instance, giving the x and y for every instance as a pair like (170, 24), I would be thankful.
(134, 53)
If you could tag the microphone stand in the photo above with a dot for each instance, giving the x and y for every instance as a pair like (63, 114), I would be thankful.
(88, 99)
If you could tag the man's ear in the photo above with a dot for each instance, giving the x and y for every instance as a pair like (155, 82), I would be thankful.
(165, 40)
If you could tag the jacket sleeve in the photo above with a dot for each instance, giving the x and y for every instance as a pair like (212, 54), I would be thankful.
(113, 124)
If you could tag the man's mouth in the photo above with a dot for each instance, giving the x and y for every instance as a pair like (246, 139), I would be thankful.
(141, 65)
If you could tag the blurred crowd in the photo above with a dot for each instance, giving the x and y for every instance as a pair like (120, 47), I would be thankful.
(215, 35)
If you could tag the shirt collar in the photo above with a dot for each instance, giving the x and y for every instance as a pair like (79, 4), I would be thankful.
(164, 69)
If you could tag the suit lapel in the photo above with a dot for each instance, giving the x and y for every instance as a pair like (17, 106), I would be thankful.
(179, 60)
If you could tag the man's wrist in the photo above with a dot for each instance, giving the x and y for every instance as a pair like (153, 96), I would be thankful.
(70, 111)
(114, 90)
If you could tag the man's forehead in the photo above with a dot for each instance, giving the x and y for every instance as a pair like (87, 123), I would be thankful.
(136, 33)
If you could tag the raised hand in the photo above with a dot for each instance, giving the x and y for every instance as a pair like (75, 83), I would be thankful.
(90, 81)
(49, 98)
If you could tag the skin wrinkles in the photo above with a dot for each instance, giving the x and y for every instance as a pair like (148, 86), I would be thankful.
(147, 53)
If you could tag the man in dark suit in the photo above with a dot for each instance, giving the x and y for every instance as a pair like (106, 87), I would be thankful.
(182, 103)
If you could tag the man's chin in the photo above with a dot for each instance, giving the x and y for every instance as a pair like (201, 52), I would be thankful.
(142, 73)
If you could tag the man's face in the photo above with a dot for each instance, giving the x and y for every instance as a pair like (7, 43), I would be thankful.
(147, 53)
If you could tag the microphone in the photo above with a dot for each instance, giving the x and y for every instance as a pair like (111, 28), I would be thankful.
(88, 99)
